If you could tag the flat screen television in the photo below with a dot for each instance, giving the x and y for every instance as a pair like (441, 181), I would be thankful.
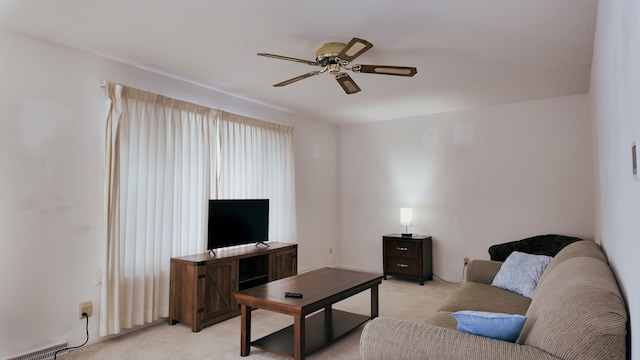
(237, 222)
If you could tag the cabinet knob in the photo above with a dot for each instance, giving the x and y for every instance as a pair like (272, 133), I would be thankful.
(402, 265)
(401, 248)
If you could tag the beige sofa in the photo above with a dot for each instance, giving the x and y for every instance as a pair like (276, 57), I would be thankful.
(577, 312)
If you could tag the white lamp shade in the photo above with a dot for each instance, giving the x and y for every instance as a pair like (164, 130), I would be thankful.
(406, 216)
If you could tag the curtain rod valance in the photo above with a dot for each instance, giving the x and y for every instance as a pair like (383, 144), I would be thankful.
(130, 92)
(257, 123)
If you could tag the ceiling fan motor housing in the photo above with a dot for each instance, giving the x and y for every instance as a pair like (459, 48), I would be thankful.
(327, 56)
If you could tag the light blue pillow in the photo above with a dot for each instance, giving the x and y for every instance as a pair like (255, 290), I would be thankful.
(521, 272)
(493, 325)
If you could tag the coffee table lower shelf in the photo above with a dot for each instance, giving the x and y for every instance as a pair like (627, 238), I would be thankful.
(321, 330)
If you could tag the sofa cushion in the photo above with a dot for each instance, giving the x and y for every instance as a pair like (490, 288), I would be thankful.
(393, 339)
(489, 324)
(584, 248)
(577, 312)
(521, 272)
(484, 297)
(483, 271)
(442, 319)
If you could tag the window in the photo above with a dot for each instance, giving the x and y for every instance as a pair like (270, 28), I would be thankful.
(164, 159)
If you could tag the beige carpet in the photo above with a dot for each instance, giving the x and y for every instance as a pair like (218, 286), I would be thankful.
(400, 299)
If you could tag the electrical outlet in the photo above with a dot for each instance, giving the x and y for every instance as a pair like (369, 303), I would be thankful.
(330, 250)
(86, 308)
(466, 261)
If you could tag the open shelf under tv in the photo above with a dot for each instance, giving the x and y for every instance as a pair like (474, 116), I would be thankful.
(253, 271)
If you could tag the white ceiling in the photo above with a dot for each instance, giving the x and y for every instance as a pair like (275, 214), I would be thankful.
(469, 53)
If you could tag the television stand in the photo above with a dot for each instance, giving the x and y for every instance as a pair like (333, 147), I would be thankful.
(202, 286)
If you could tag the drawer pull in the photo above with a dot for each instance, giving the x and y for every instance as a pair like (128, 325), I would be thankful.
(402, 265)
(402, 248)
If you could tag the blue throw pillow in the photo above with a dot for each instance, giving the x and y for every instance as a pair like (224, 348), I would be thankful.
(493, 325)
(521, 272)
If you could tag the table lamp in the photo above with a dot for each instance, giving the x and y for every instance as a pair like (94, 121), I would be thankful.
(406, 220)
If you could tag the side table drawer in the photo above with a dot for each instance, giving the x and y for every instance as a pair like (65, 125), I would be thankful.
(401, 248)
(400, 265)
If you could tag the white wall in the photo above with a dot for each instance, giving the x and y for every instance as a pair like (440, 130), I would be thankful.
(52, 115)
(316, 154)
(474, 178)
(615, 93)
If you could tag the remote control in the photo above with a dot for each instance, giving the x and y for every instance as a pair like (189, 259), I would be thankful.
(293, 295)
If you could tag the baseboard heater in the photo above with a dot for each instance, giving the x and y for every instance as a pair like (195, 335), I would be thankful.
(43, 354)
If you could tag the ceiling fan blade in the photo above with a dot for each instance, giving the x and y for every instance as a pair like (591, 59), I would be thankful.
(386, 70)
(347, 83)
(354, 48)
(289, 59)
(297, 78)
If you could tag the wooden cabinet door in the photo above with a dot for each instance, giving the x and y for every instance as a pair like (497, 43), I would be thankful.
(284, 264)
(217, 285)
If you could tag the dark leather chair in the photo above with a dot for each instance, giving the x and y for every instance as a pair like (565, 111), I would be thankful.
(549, 245)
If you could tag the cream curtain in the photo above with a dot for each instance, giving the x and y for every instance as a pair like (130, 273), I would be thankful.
(164, 159)
(256, 162)
(160, 173)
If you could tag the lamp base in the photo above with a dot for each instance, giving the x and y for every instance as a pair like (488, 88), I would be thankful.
(407, 235)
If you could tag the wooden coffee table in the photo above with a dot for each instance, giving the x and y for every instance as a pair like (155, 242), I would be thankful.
(320, 288)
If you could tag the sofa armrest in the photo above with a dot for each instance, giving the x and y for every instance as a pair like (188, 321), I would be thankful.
(387, 339)
(483, 271)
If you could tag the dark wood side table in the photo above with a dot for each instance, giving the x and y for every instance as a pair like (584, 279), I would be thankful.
(407, 256)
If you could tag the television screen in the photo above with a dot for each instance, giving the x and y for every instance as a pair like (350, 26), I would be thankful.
(236, 222)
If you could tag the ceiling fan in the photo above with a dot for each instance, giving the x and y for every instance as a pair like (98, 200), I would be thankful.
(334, 57)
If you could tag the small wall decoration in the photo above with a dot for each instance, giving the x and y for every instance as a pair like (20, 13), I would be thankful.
(635, 155)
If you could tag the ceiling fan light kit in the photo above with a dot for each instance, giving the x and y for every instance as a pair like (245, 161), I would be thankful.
(333, 57)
